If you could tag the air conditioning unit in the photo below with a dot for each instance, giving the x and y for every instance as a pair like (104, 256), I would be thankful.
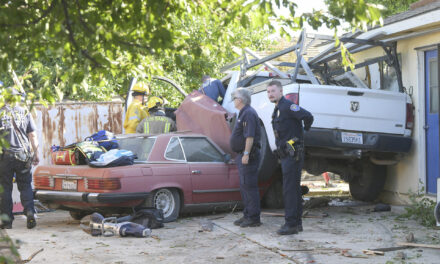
(437, 207)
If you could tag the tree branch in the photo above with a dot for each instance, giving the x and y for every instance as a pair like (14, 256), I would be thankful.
(35, 21)
(81, 20)
(84, 52)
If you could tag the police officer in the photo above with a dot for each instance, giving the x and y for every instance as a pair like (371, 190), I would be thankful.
(136, 110)
(212, 88)
(287, 123)
(245, 140)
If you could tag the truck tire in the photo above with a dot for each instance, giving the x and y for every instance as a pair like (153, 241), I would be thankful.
(368, 181)
(78, 215)
(268, 161)
(168, 200)
(273, 198)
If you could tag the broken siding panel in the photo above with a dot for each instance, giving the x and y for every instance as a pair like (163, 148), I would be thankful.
(66, 123)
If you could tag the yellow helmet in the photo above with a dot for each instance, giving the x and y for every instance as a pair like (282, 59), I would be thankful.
(154, 101)
(141, 87)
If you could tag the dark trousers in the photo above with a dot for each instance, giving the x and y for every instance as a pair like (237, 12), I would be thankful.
(293, 208)
(249, 187)
(8, 167)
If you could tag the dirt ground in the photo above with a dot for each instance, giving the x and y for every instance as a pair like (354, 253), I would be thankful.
(340, 237)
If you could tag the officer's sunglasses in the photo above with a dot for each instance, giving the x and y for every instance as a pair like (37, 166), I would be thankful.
(233, 98)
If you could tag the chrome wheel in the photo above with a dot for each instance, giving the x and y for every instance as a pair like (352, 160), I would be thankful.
(164, 200)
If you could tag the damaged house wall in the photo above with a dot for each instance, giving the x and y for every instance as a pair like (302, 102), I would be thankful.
(406, 175)
(66, 123)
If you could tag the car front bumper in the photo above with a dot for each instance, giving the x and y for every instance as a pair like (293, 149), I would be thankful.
(86, 197)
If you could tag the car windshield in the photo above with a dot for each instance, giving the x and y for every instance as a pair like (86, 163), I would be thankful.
(140, 146)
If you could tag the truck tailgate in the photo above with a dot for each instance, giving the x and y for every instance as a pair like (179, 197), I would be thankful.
(355, 109)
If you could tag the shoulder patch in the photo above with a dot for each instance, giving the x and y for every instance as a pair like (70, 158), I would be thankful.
(294, 107)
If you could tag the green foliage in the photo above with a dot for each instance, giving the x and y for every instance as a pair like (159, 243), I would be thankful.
(391, 7)
(421, 209)
(89, 49)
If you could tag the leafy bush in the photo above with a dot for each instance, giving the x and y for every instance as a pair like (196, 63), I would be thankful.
(421, 208)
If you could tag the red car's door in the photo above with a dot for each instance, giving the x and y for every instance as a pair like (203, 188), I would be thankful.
(211, 178)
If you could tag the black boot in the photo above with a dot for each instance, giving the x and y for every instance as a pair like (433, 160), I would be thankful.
(287, 230)
(6, 225)
(30, 223)
(239, 221)
(250, 223)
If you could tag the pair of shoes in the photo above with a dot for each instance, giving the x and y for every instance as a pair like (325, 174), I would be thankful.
(30, 223)
(250, 223)
(287, 230)
(239, 221)
(6, 225)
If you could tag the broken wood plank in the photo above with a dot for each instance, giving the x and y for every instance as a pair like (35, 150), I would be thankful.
(389, 248)
(418, 245)
(272, 214)
(373, 252)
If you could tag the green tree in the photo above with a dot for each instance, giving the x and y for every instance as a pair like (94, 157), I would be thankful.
(87, 48)
(391, 7)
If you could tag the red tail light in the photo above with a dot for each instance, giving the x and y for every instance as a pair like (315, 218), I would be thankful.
(293, 97)
(44, 181)
(103, 184)
(409, 116)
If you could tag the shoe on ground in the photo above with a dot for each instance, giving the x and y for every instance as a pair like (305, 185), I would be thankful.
(6, 225)
(250, 223)
(31, 222)
(239, 221)
(287, 230)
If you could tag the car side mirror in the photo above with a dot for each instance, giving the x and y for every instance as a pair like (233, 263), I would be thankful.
(226, 157)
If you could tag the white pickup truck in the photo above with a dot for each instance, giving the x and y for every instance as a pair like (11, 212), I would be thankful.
(357, 131)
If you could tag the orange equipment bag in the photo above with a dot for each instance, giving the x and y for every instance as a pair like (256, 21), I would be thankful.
(64, 157)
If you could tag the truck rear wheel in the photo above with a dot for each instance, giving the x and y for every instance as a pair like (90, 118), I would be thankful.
(368, 181)
(268, 161)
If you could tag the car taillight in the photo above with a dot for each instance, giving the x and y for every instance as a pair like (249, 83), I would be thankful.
(292, 97)
(44, 181)
(103, 184)
(409, 116)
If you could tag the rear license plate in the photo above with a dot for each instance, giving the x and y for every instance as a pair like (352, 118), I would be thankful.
(70, 184)
(351, 138)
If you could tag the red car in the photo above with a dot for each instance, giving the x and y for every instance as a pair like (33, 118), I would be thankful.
(176, 172)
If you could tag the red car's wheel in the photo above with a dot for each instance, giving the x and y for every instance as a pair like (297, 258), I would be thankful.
(168, 200)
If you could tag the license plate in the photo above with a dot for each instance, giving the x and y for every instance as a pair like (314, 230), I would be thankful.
(70, 184)
(351, 138)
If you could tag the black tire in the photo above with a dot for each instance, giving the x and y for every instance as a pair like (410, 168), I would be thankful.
(168, 200)
(273, 198)
(368, 181)
(78, 215)
(268, 161)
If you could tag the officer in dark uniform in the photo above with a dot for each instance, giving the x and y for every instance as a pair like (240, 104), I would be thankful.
(245, 140)
(287, 123)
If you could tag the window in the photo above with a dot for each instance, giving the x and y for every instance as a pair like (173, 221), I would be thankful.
(200, 150)
(433, 86)
(174, 150)
(140, 146)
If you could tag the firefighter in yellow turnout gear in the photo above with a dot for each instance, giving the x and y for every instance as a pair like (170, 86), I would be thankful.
(136, 111)
(157, 122)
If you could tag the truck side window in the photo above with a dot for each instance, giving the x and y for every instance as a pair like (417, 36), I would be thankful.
(200, 150)
(174, 150)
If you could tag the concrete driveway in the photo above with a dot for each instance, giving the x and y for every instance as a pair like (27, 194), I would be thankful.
(338, 238)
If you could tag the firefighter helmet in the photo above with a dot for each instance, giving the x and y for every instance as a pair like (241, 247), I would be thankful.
(141, 87)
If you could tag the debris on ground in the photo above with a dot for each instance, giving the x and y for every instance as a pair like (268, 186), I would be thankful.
(373, 252)
(206, 225)
(418, 245)
(306, 214)
(380, 207)
(410, 238)
(400, 255)
(316, 202)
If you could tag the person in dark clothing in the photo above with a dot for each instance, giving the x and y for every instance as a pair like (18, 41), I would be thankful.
(245, 140)
(18, 128)
(212, 88)
(287, 123)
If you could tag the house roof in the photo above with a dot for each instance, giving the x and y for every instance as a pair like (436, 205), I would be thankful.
(412, 13)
